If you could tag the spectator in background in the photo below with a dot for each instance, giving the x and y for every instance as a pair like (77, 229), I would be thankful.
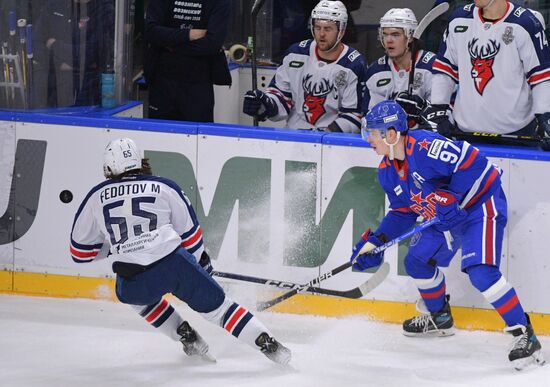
(77, 43)
(497, 53)
(388, 77)
(184, 57)
(320, 83)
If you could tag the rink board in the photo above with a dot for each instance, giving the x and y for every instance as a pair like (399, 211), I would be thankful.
(273, 203)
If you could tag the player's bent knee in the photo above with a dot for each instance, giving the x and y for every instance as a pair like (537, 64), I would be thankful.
(418, 268)
(483, 277)
(216, 316)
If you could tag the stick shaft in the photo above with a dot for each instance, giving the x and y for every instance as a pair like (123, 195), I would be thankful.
(344, 266)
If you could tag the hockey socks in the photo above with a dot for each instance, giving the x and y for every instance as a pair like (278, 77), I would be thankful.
(499, 293)
(238, 321)
(432, 291)
(163, 316)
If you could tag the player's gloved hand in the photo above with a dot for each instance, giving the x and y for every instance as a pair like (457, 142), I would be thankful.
(334, 127)
(412, 104)
(364, 260)
(544, 122)
(436, 117)
(206, 263)
(256, 103)
(448, 211)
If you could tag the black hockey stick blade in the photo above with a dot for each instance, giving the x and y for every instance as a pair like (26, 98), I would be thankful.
(369, 285)
(333, 272)
(357, 292)
(376, 279)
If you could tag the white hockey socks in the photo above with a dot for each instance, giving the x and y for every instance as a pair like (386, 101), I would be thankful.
(238, 321)
(163, 316)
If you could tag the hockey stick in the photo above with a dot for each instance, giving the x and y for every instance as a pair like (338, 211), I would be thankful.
(504, 139)
(30, 58)
(252, 46)
(434, 13)
(12, 23)
(357, 292)
(264, 305)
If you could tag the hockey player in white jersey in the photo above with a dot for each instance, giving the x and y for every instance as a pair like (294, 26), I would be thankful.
(388, 77)
(320, 83)
(497, 54)
(146, 225)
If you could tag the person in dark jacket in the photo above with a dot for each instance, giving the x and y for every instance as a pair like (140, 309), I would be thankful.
(75, 44)
(184, 57)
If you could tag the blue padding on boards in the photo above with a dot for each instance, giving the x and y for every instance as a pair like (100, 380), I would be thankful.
(262, 133)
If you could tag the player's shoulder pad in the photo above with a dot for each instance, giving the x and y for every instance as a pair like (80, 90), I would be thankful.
(525, 18)
(424, 144)
(465, 12)
(170, 183)
(353, 60)
(301, 48)
(426, 60)
(378, 66)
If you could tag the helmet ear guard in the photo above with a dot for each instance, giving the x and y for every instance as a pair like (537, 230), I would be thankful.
(120, 156)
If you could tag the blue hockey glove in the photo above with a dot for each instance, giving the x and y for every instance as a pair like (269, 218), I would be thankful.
(544, 122)
(412, 104)
(256, 103)
(364, 260)
(448, 211)
(206, 263)
(436, 117)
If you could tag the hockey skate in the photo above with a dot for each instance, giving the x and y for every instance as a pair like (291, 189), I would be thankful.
(431, 324)
(274, 350)
(193, 343)
(526, 348)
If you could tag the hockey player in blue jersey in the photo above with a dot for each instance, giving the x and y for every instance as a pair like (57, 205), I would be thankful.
(146, 225)
(388, 77)
(425, 174)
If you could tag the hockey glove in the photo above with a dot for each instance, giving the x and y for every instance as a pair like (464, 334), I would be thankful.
(436, 117)
(448, 211)
(257, 103)
(544, 122)
(334, 127)
(361, 250)
(205, 262)
(412, 104)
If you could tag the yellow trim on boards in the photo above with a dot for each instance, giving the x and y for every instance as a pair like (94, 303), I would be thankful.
(55, 285)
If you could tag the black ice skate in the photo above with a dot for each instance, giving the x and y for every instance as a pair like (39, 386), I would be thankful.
(274, 350)
(526, 348)
(193, 343)
(431, 324)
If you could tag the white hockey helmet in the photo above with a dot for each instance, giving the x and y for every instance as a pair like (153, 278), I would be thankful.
(330, 10)
(398, 18)
(121, 155)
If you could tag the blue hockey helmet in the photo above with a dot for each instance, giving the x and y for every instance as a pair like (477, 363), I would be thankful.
(383, 116)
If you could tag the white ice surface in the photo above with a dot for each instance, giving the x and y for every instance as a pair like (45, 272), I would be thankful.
(67, 342)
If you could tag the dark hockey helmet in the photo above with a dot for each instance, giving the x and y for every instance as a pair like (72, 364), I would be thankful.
(383, 116)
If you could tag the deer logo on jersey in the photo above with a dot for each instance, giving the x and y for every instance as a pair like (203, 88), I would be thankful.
(315, 95)
(482, 58)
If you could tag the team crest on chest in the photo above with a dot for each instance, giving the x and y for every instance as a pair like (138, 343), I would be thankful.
(315, 95)
(482, 57)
